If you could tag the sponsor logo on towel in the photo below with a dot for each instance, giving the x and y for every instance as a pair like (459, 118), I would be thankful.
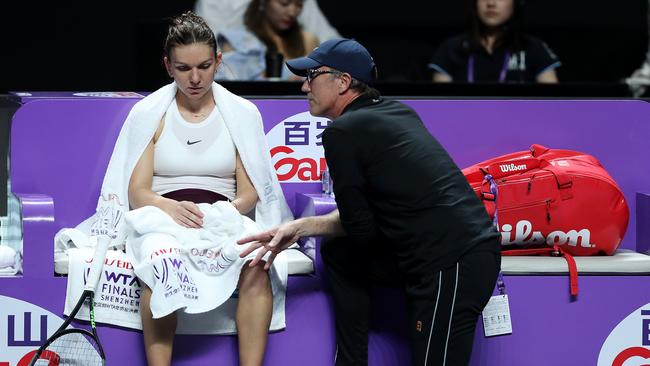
(118, 289)
(173, 274)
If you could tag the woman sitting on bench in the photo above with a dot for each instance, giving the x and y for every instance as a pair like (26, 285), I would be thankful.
(209, 146)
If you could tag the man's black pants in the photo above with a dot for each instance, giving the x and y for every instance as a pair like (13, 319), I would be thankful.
(443, 306)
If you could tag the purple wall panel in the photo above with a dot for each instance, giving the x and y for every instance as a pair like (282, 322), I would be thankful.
(643, 221)
(549, 329)
(60, 148)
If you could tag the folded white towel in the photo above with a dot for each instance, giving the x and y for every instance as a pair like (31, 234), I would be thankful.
(7, 257)
(195, 270)
(11, 261)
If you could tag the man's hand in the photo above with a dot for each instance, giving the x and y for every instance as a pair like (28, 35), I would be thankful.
(274, 241)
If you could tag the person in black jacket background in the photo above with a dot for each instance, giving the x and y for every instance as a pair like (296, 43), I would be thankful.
(494, 48)
(406, 215)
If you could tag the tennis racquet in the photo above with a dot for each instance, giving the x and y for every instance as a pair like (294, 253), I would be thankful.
(76, 346)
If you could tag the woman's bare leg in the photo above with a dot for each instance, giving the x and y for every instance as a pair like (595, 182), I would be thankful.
(254, 311)
(158, 333)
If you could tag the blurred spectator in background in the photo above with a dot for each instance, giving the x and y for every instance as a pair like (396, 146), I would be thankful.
(228, 14)
(494, 49)
(640, 78)
(271, 34)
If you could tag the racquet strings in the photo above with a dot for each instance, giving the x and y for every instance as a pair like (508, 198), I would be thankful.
(70, 349)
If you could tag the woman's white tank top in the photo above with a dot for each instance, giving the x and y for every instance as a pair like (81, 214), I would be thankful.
(194, 155)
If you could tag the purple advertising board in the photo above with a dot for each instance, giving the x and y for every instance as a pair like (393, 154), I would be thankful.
(60, 147)
(615, 132)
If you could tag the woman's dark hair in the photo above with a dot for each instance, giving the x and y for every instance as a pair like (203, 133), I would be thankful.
(188, 28)
(292, 40)
(510, 32)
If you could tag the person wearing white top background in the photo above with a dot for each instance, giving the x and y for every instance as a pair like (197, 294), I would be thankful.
(225, 14)
(640, 78)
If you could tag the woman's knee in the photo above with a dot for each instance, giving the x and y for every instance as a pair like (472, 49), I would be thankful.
(145, 295)
(254, 278)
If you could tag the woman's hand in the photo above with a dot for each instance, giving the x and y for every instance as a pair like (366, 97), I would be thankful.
(185, 213)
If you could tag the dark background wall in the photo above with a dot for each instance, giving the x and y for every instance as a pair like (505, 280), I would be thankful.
(596, 40)
(116, 45)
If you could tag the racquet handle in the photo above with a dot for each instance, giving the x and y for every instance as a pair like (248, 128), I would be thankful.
(98, 261)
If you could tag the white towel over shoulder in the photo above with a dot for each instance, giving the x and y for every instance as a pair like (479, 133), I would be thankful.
(244, 123)
(118, 287)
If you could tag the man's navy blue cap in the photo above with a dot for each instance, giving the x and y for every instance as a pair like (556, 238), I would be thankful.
(342, 54)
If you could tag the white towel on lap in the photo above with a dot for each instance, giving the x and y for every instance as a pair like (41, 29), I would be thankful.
(184, 267)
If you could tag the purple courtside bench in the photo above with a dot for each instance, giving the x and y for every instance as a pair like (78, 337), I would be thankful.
(61, 143)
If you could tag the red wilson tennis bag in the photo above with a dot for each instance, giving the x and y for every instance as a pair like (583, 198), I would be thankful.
(548, 198)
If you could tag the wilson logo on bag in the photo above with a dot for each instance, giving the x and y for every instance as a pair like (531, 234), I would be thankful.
(552, 198)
